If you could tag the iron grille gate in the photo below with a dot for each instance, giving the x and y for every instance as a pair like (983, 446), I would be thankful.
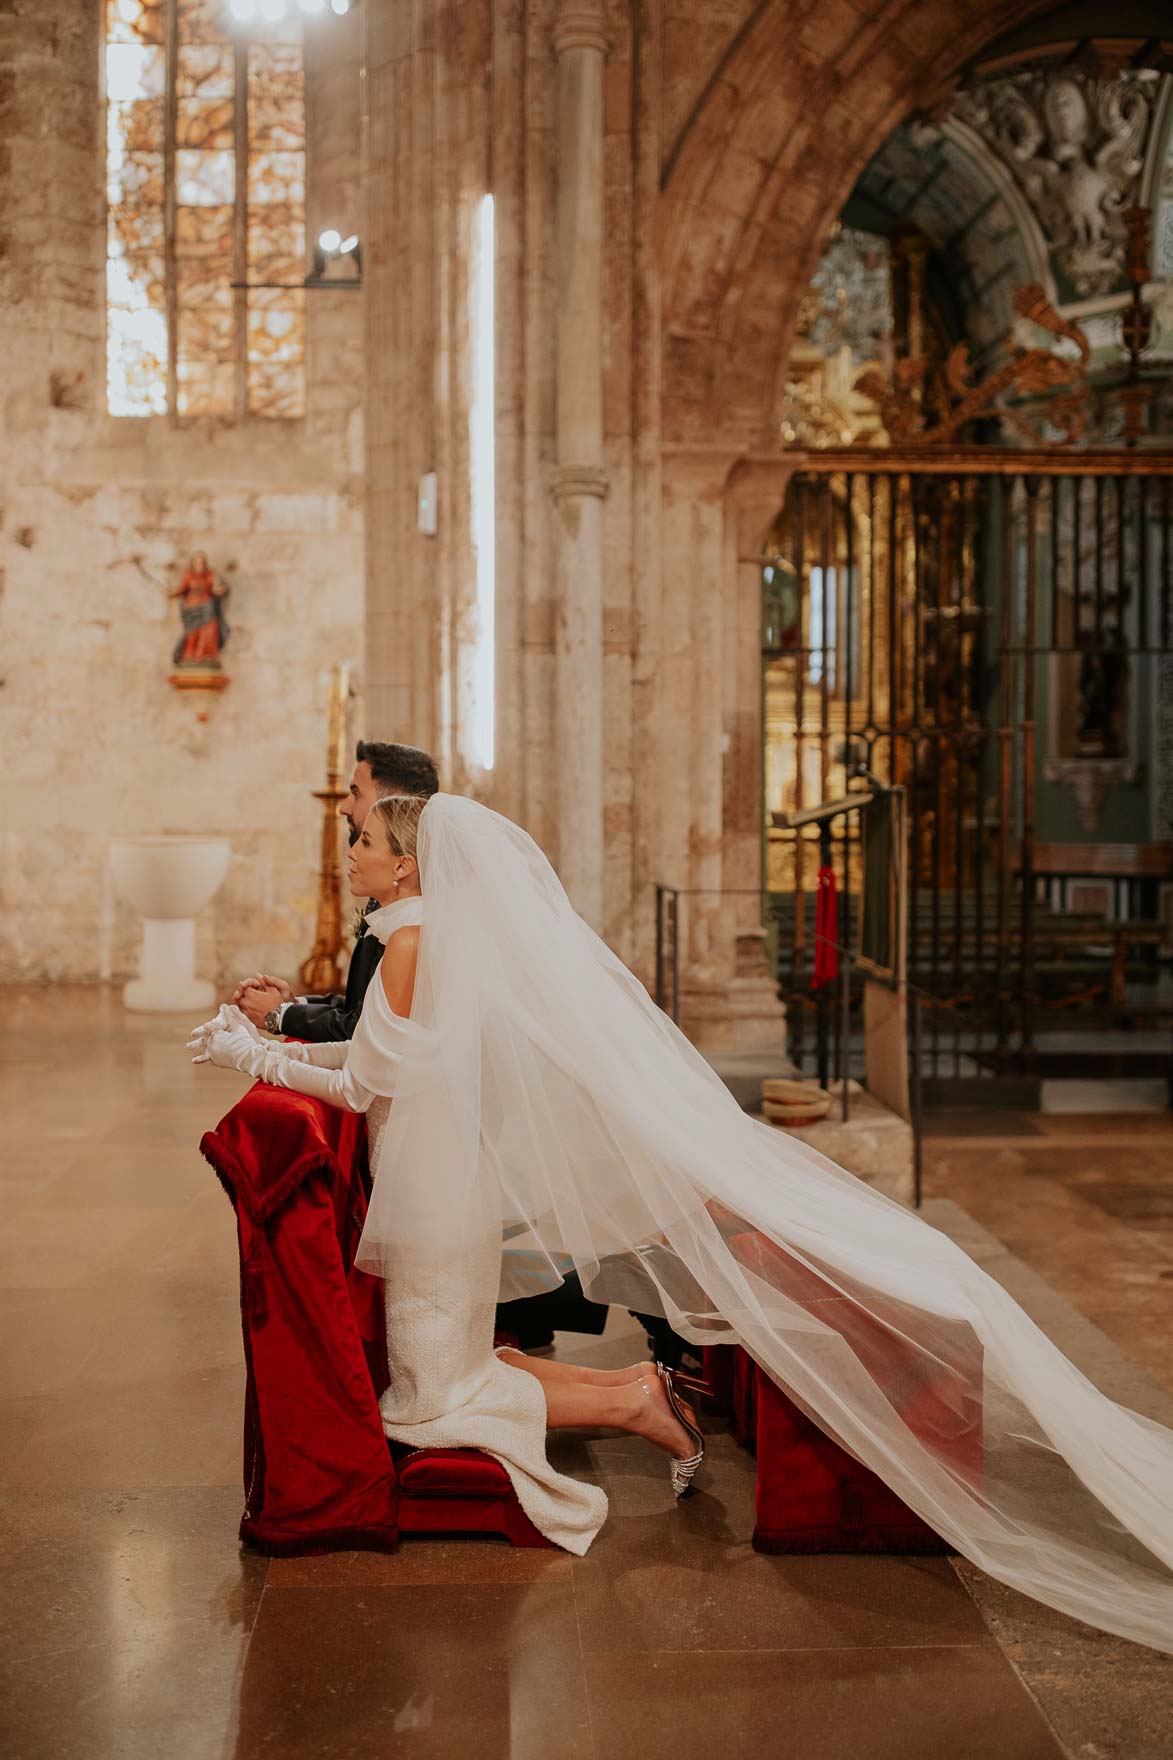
(995, 639)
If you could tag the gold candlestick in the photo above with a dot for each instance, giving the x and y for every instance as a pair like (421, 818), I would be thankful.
(336, 735)
(322, 970)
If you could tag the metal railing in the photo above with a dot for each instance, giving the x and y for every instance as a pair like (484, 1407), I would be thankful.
(838, 1052)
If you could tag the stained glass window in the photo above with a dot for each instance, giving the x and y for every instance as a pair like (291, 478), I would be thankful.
(206, 199)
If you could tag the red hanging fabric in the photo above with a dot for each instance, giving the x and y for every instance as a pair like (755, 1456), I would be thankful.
(316, 1470)
(826, 931)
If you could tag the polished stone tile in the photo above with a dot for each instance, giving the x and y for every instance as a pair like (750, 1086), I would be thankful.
(820, 1704)
(164, 1691)
(490, 1670)
(1122, 1714)
(89, 1569)
(962, 1126)
(122, 1176)
(462, 1560)
(170, 1429)
(47, 1336)
(123, 1623)
(1129, 1126)
(64, 1248)
(675, 1582)
(128, 1606)
(1044, 1638)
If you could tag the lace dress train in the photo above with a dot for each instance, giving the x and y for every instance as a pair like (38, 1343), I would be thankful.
(449, 1390)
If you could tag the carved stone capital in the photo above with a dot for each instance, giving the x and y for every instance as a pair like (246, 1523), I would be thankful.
(581, 24)
(578, 479)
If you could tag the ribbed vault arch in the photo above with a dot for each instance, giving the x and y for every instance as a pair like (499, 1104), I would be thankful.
(802, 99)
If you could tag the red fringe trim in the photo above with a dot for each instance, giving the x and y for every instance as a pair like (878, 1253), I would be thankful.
(260, 1207)
(376, 1539)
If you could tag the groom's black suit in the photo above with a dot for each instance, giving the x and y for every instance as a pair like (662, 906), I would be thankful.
(323, 1018)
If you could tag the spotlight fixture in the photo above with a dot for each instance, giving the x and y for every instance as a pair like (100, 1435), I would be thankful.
(340, 6)
(337, 265)
(332, 249)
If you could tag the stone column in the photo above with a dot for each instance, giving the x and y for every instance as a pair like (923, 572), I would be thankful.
(580, 481)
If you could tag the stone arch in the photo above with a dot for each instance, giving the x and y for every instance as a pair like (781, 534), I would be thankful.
(800, 102)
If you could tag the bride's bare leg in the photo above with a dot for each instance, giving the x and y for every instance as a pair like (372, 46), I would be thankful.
(545, 1370)
(640, 1407)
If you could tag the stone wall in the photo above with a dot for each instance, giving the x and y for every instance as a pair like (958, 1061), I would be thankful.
(730, 134)
(95, 741)
(723, 141)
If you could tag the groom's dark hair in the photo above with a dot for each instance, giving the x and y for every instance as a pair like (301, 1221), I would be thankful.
(403, 769)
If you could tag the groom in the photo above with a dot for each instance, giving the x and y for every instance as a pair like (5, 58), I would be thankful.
(381, 769)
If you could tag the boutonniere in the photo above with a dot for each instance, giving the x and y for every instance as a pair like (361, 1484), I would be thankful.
(360, 926)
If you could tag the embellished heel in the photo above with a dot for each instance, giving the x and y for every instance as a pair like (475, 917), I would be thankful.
(691, 1383)
(682, 1471)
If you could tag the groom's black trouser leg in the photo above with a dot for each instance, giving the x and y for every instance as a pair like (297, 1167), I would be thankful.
(666, 1346)
(534, 1319)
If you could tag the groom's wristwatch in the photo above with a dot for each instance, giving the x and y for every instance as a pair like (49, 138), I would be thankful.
(273, 1020)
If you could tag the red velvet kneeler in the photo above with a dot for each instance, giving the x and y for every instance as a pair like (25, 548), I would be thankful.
(317, 1473)
(459, 1491)
(732, 1375)
(812, 1496)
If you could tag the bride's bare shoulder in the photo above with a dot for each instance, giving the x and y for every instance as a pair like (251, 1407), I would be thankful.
(397, 967)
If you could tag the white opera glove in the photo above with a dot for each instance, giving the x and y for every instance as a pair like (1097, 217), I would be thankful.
(234, 1047)
(226, 1018)
(330, 1054)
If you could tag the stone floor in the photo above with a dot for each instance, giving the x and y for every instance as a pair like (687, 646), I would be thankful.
(133, 1626)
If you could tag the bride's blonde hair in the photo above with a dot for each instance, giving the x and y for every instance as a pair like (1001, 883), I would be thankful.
(400, 814)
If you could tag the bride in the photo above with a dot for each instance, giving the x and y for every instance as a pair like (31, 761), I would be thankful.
(548, 1117)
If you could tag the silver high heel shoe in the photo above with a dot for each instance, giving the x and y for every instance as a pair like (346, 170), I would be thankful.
(681, 1470)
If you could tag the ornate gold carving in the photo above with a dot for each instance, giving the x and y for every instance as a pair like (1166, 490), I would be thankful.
(809, 419)
(1033, 372)
(1076, 144)
(1136, 326)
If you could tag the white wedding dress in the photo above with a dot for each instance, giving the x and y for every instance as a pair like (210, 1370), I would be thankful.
(547, 1115)
(448, 1388)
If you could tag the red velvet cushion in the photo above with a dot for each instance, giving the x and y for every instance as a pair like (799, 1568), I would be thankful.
(451, 1472)
(814, 1497)
(460, 1491)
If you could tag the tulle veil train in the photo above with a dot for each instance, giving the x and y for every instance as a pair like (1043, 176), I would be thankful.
(540, 1097)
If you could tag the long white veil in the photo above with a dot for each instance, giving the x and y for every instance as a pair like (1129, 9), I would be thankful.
(543, 1097)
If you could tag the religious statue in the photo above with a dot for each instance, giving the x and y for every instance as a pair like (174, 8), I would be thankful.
(201, 594)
